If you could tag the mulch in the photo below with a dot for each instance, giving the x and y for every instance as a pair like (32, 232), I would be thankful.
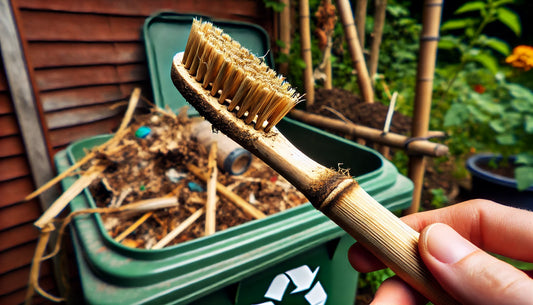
(155, 166)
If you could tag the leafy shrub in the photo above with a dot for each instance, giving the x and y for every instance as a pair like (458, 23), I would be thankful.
(485, 111)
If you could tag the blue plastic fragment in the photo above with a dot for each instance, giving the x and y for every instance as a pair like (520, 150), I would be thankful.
(142, 132)
(195, 187)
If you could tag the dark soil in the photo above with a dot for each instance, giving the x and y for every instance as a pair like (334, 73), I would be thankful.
(505, 169)
(351, 106)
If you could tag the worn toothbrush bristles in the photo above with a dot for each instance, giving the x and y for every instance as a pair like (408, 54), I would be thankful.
(237, 77)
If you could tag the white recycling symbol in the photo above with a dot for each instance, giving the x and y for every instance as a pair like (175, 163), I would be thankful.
(302, 277)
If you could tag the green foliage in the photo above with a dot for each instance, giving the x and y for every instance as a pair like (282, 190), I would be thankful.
(463, 37)
(439, 199)
(294, 58)
(399, 57)
(275, 5)
(510, 19)
(499, 120)
(516, 263)
(483, 111)
(524, 176)
(401, 160)
(398, 53)
(374, 279)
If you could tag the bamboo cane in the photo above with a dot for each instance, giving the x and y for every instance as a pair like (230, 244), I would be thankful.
(55, 208)
(180, 228)
(356, 52)
(134, 99)
(134, 226)
(326, 15)
(379, 21)
(412, 146)
(211, 202)
(305, 32)
(327, 58)
(328, 84)
(423, 92)
(360, 20)
(285, 34)
(224, 191)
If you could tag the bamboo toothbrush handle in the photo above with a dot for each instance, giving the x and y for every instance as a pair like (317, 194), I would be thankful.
(337, 196)
(385, 235)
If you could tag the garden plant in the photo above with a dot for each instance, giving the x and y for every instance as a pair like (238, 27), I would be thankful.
(482, 96)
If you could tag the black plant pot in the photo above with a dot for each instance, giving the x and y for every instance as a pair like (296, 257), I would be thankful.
(488, 185)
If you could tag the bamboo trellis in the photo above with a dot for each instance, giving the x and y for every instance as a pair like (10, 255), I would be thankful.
(305, 31)
(285, 34)
(423, 92)
(356, 52)
(379, 21)
(360, 20)
(354, 32)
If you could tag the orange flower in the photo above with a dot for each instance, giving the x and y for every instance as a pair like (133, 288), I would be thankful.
(522, 57)
(479, 88)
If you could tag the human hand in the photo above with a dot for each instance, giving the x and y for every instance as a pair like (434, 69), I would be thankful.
(451, 244)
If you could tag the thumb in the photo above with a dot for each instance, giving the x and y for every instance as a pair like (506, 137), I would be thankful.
(469, 274)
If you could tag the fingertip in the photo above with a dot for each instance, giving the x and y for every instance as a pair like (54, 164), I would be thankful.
(363, 260)
(395, 291)
(445, 244)
(469, 274)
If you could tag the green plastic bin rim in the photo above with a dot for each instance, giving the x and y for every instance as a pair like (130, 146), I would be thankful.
(268, 241)
(384, 183)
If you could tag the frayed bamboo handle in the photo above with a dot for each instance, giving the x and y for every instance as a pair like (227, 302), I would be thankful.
(339, 197)
(386, 236)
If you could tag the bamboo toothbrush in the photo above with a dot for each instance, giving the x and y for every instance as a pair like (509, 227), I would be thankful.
(242, 97)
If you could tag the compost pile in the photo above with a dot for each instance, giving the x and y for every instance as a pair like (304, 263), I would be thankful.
(139, 168)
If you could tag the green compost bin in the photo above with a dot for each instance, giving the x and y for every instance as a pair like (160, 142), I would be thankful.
(298, 256)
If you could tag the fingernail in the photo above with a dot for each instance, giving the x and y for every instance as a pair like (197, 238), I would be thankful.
(445, 244)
